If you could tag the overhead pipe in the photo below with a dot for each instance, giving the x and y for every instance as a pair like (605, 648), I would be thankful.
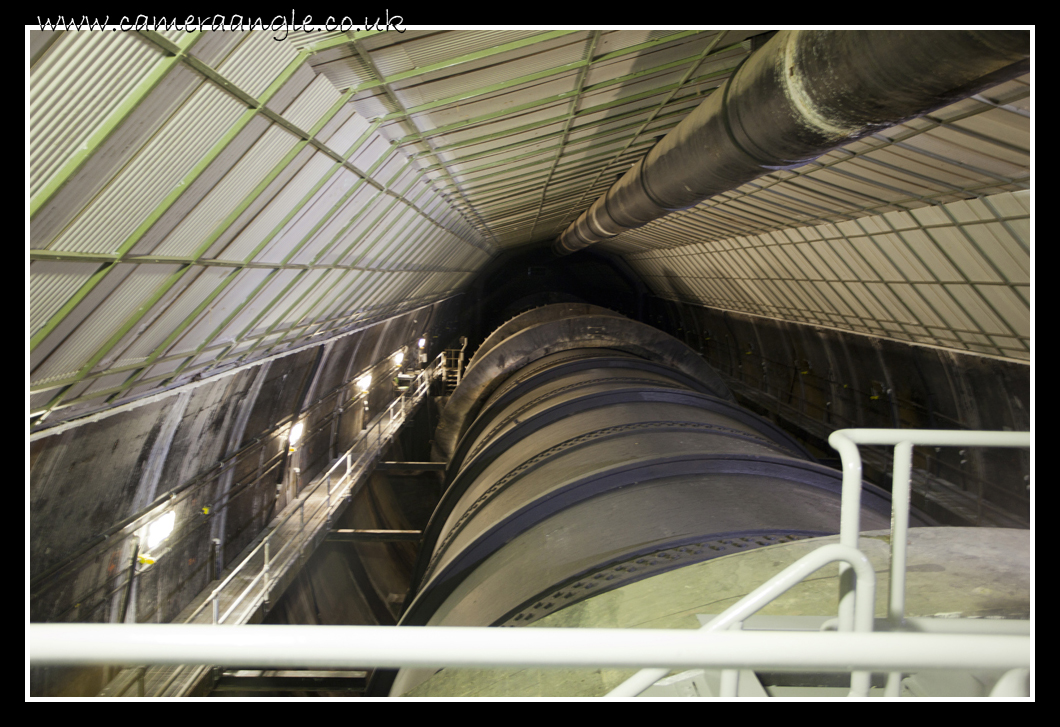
(802, 94)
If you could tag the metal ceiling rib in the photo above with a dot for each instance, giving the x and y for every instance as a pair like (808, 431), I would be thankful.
(201, 200)
(919, 233)
(955, 275)
(574, 155)
(212, 207)
(55, 130)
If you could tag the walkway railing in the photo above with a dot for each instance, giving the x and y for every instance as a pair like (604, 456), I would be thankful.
(860, 651)
(339, 647)
(856, 578)
(252, 580)
(331, 488)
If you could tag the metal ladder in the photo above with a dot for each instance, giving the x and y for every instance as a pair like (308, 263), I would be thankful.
(453, 366)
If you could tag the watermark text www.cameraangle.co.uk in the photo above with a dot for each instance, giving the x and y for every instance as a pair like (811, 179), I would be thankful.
(279, 25)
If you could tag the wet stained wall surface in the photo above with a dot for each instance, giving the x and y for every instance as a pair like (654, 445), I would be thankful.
(221, 449)
(818, 380)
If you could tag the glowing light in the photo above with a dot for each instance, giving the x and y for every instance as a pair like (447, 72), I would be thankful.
(422, 342)
(296, 433)
(398, 358)
(160, 529)
(365, 382)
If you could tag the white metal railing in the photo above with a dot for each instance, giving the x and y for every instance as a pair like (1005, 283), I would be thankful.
(846, 442)
(855, 599)
(750, 604)
(337, 483)
(483, 647)
(859, 650)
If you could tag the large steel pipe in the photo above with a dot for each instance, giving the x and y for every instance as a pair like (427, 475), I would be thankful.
(588, 466)
(802, 94)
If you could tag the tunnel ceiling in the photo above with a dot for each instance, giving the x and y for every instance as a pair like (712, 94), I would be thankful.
(200, 200)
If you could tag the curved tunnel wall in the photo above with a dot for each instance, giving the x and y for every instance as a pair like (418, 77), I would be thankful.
(816, 380)
(221, 450)
(583, 467)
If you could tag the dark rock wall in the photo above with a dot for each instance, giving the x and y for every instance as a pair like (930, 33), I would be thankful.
(809, 375)
(220, 449)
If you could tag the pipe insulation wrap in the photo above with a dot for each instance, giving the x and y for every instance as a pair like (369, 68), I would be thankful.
(801, 95)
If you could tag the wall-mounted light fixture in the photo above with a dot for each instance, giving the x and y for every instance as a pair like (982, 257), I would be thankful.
(364, 383)
(295, 435)
(160, 528)
(422, 342)
(399, 357)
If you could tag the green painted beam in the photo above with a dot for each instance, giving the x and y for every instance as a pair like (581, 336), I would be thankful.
(576, 209)
(395, 246)
(342, 39)
(367, 59)
(325, 294)
(240, 338)
(484, 118)
(466, 58)
(423, 220)
(224, 324)
(405, 240)
(606, 57)
(166, 203)
(631, 99)
(127, 325)
(399, 196)
(340, 321)
(492, 88)
(523, 175)
(155, 355)
(277, 169)
(261, 265)
(118, 117)
(491, 182)
(629, 50)
(554, 121)
(296, 280)
(139, 366)
(492, 192)
(492, 187)
(173, 260)
(82, 292)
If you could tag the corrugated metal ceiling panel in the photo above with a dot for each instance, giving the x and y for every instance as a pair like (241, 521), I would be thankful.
(853, 240)
(159, 168)
(411, 53)
(94, 331)
(278, 208)
(52, 282)
(133, 131)
(944, 269)
(256, 62)
(142, 341)
(66, 108)
(236, 185)
(201, 332)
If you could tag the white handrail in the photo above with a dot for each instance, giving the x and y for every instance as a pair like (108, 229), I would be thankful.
(770, 590)
(283, 646)
(846, 442)
(856, 601)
